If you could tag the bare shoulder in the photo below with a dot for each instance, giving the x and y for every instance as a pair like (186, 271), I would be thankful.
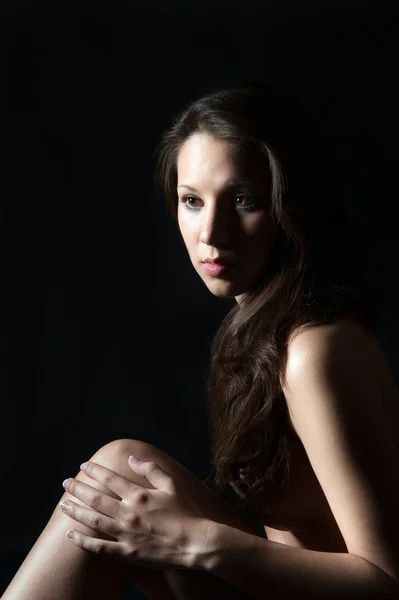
(343, 354)
(344, 329)
(343, 337)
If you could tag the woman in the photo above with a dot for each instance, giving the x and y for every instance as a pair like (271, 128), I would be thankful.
(304, 411)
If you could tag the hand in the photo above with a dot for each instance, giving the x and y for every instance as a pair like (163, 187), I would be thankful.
(153, 528)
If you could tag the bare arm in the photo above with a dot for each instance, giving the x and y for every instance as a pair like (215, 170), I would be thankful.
(335, 404)
(336, 407)
(56, 568)
(269, 570)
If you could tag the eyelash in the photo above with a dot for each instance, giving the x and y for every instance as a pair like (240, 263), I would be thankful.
(247, 208)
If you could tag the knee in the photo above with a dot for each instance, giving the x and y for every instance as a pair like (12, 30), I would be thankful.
(122, 448)
(115, 454)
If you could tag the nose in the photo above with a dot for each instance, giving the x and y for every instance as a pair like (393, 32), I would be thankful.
(216, 227)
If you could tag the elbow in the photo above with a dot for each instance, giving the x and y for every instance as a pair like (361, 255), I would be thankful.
(386, 583)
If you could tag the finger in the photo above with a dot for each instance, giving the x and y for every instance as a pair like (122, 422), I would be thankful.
(153, 473)
(93, 498)
(109, 479)
(91, 518)
(96, 545)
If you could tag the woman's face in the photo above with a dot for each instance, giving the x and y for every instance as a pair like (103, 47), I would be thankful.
(215, 217)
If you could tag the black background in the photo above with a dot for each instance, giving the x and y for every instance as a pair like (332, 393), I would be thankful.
(105, 326)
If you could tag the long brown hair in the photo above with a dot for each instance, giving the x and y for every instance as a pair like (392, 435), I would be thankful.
(314, 277)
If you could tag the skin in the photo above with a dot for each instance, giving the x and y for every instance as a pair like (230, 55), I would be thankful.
(340, 397)
(218, 223)
(219, 227)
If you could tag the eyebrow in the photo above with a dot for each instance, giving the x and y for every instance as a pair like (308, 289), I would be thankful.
(231, 184)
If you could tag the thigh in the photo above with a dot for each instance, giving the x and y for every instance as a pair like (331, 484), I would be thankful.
(115, 456)
(184, 584)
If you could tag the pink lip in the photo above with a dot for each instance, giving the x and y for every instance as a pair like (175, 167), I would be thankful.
(214, 269)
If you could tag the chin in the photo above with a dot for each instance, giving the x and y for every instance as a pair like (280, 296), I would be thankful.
(222, 295)
(225, 291)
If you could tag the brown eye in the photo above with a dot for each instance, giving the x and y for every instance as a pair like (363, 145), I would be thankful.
(245, 198)
(241, 199)
(188, 202)
(185, 201)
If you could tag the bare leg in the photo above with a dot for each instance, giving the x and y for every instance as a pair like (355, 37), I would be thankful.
(56, 568)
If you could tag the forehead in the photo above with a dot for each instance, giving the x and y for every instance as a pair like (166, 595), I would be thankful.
(209, 154)
(204, 148)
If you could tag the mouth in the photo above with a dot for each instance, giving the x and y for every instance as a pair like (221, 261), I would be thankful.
(216, 270)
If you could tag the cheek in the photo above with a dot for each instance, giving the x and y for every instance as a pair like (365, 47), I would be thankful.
(262, 243)
(188, 234)
(187, 225)
(261, 230)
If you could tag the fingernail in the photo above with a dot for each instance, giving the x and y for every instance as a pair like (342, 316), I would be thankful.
(83, 466)
(131, 457)
(65, 483)
(64, 505)
(70, 533)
